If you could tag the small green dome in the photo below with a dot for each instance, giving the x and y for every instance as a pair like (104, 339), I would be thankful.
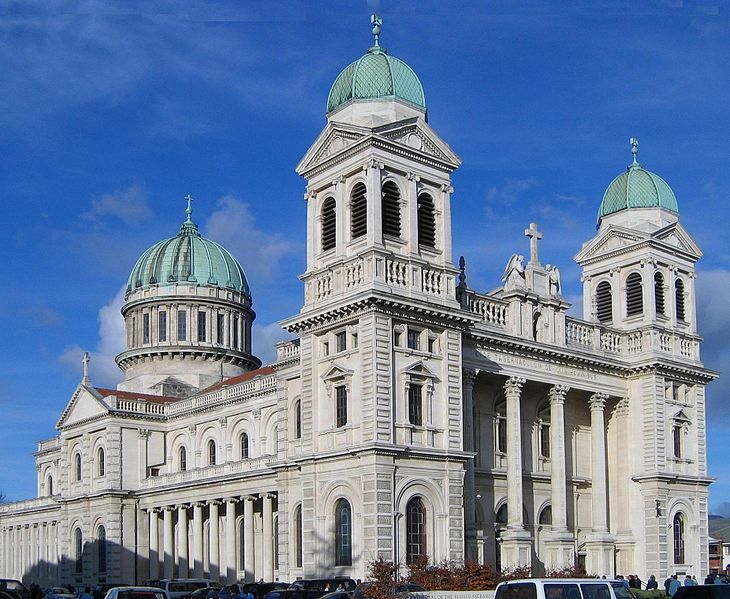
(376, 75)
(188, 258)
(637, 188)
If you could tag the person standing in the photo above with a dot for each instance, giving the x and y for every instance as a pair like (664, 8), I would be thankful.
(674, 585)
(651, 583)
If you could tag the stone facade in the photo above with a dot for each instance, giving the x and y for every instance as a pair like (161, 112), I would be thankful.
(411, 414)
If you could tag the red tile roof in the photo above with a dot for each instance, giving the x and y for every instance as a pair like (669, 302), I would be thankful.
(246, 376)
(134, 395)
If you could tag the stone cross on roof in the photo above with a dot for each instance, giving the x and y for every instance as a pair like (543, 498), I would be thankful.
(85, 361)
(534, 236)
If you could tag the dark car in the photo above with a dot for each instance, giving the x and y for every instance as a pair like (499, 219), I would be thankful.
(259, 589)
(205, 593)
(314, 588)
(14, 588)
(703, 591)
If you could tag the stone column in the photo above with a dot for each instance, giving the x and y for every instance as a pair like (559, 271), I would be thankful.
(198, 540)
(516, 546)
(599, 543)
(43, 558)
(468, 378)
(154, 570)
(182, 541)
(559, 542)
(248, 557)
(268, 532)
(167, 543)
(230, 553)
(214, 540)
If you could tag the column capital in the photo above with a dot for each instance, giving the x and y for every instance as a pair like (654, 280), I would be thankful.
(152, 510)
(597, 401)
(199, 504)
(232, 499)
(169, 508)
(513, 385)
(250, 498)
(557, 393)
(215, 502)
(270, 495)
(469, 375)
(413, 177)
(182, 506)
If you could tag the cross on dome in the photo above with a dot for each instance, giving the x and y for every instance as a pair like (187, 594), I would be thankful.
(634, 149)
(534, 236)
(189, 209)
(377, 26)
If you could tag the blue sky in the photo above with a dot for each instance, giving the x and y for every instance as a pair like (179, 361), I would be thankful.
(111, 113)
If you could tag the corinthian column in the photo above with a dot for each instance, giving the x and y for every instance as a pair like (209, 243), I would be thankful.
(182, 541)
(516, 546)
(599, 542)
(468, 377)
(198, 540)
(248, 561)
(230, 553)
(167, 541)
(214, 542)
(268, 536)
(154, 554)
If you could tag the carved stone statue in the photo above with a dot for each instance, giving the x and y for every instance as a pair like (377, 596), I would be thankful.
(514, 272)
(553, 280)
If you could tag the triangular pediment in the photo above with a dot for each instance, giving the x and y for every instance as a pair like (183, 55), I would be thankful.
(335, 138)
(416, 134)
(418, 369)
(677, 237)
(85, 404)
(613, 239)
(681, 416)
(336, 372)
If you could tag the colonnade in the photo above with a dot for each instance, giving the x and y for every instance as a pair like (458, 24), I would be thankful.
(31, 551)
(516, 543)
(183, 551)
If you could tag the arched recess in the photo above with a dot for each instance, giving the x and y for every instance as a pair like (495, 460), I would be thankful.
(204, 436)
(331, 494)
(433, 503)
(683, 539)
(297, 536)
(269, 441)
(178, 444)
(237, 428)
(426, 220)
(296, 424)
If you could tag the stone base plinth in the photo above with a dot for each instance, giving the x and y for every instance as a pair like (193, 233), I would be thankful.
(600, 549)
(559, 551)
(516, 549)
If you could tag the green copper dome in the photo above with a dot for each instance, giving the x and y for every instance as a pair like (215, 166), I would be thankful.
(376, 75)
(637, 188)
(188, 258)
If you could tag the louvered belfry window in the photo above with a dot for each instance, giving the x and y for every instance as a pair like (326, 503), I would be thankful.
(634, 295)
(329, 225)
(659, 293)
(426, 221)
(604, 306)
(679, 298)
(391, 209)
(358, 211)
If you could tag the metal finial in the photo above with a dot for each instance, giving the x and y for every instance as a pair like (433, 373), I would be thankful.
(377, 25)
(189, 209)
(634, 148)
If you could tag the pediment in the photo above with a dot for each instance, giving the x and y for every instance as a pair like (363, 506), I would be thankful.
(84, 405)
(336, 372)
(415, 134)
(418, 369)
(681, 416)
(612, 239)
(334, 139)
(676, 236)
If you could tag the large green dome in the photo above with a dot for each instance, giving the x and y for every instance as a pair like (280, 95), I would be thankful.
(637, 188)
(376, 75)
(188, 258)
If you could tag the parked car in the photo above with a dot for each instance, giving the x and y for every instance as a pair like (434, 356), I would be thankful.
(562, 588)
(315, 588)
(182, 588)
(59, 593)
(261, 589)
(14, 588)
(704, 591)
(205, 593)
(136, 593)
(100, 590)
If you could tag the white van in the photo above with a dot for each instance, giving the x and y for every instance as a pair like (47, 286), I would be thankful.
(563, 588)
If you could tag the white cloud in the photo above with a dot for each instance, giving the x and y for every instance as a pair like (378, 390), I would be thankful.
(265, 336)
(128, 205)
(510, 191)
(103, 370)
(233, 225)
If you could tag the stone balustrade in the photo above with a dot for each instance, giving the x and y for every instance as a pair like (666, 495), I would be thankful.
(287, 350)
(256, 385)
(28, 504)
(491, 310)
(207, 472)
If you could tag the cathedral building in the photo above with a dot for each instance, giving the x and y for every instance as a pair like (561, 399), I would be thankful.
(411, 414)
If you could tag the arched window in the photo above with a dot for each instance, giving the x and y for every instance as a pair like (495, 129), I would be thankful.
(77, 467)
(78, 551)
(604, 303)
(634, 295)
(329, 224)
(390, 209)
(659, 293)
(415, 530)
(343, 533)
(678, 528)
(679, 298)
(298, 536)
(546, 516)
(298, 420)
(244, 446)
(182, 459)
(101, 548)
(211, 452)
(100, 462)
(501, 516)
(426, 221)
(49, 485)
(358, 211)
